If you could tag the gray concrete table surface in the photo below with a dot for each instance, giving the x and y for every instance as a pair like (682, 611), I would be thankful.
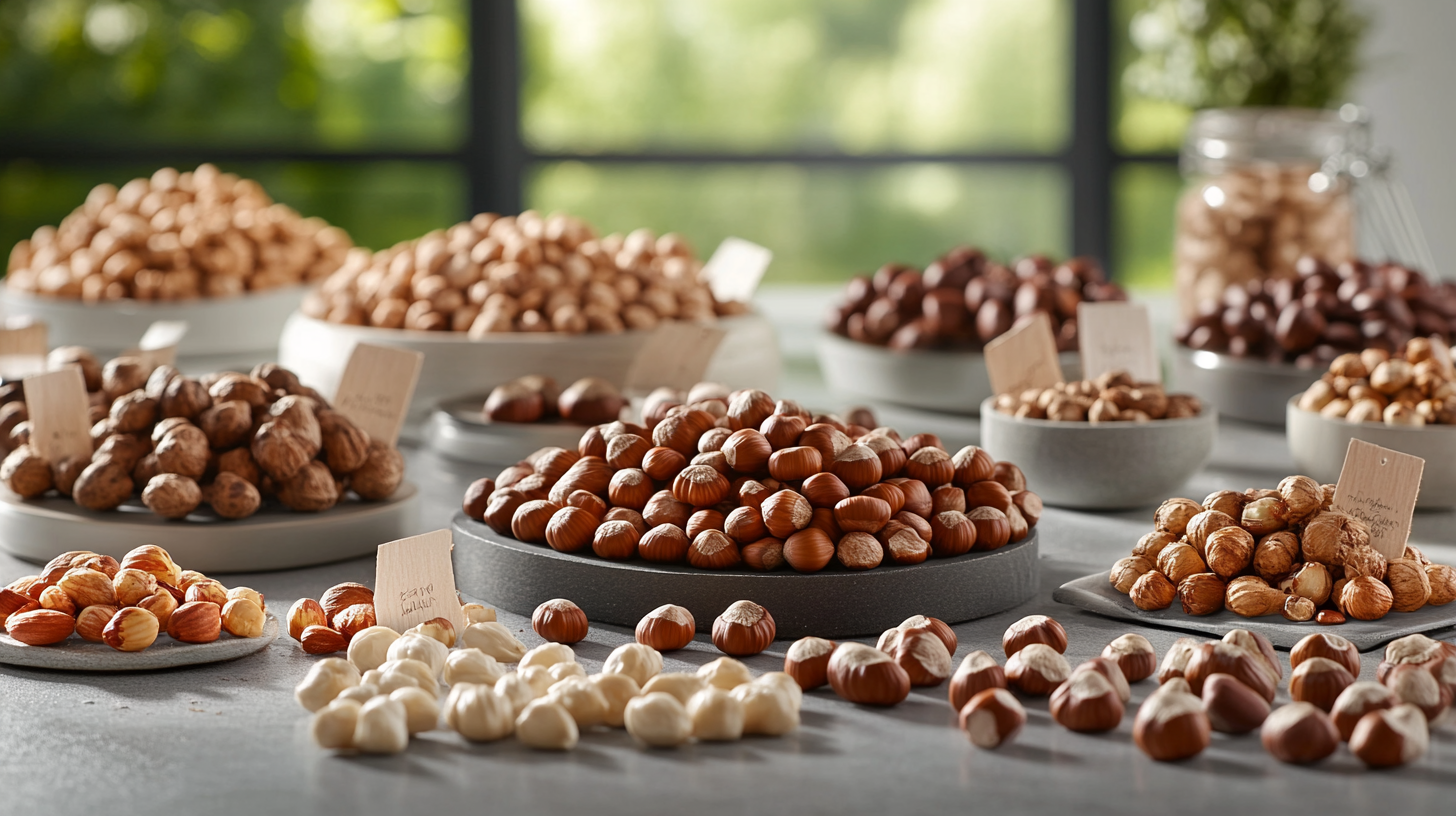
(228, 738)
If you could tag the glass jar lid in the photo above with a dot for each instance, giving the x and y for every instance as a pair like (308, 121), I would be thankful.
(1221, 139)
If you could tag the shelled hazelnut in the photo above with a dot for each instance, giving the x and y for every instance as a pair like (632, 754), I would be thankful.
(1407, 386)
(1112, 397)
(126, 605)
(176, 236)
(590, 401)
(1320, 312)
(963, 300)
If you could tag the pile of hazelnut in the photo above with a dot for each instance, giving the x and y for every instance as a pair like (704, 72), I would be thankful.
(719, 479)
(963, 301)
(388, 689)
(588, 401)
(230, 440)
(1322, 312)
(1112, 397)
(1275, 552)
(176, 236)
(521, 273)
(126, 605)
(1408, 389)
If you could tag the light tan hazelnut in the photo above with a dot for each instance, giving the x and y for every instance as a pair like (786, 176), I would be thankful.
(546, 725)
(472, 666)
(618, 689)
(495, 640)
(658, 720)
(333, 725)
(369, 648)
(716, 714)
(427, 650)
(725, 673)
(635, 660)
(324, 681)
(382, 728)
(479, 713)
(768, 709)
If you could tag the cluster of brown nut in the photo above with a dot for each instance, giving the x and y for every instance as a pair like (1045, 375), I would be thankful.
(1410, 389)
(126, 605)
(964, 300)
(1275, 552)
(176, 236)
(588, 401)
(230, 440)
(525, 273)
(1112, 397)
(732, 478)
(1320, 312)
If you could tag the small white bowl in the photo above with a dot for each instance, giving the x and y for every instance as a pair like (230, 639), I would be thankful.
(458, 431)
(1251, 390)
(1318, 444)
(952, 381)
(1108, 466)
(455, 365)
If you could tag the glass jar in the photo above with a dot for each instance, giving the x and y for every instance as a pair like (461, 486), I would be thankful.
(1257, 199)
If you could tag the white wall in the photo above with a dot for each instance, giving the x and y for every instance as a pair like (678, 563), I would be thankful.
(1409, 85)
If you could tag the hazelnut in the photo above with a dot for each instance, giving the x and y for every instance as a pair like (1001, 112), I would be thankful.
(1087, 702)
(936, 626)
(369, 648)
(1171, 725)
(1384, 738)
(1037, 669)
(1152, 592)
(325, 680)
(1034, 629)
(1229, 551)
(571, 529)
(1328, 646)
(304, 613)
(1365, 598)
(951, 533)
(807, 661)
(1319, 680)
(666, 628)
(560, 621)
(1250, 597)
(243, 618)
(785, 513)
(546, 725)
(1414, 684)
(920, 652)
(1151, 545)
(1134, 656)
(346, 446)
(1329, 534)
(350, 620)
(26, 473)
(796, 463)
(699, 486)
(380, 475)
(227, 424)
(1202, 593)
(1409, 586)
(662, 508)
(88, 587)
(439, 629)
(716, 715)
(744, 628)
(1276, 554)
(1202, 525)
(1442, 579)
(92, 621)
(1231, 706)
(635, 660)
(664, 544)
(1357, 700)
(1418, 650)
(1238, 662)
(130, 586)
(103, 485)
(991, 717)
(172, 496)
(764, 555)
(931, 465)
(1179, 561)
(1299, 733)
(479, 713)
(201, 622)
(630, 488)
(382, 727)
(53, 598)
(591, 401)
(233, 497)
(1174, 515)
(40, 627)
(808, 550)
(657, 720)
(865, 675)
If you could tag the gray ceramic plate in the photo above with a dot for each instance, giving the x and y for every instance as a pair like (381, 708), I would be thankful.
(518, 577)
(269, 540)
(1319, 443)
(1250, 390)
(1104, 466)
(1095, 594)
(81, 655)
(458, 431)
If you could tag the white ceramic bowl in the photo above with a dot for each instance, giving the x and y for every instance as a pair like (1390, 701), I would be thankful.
(1108, 466)
(222, 333)
(1251, 390)
(456, 366)
(1318, 444)
(952, 381)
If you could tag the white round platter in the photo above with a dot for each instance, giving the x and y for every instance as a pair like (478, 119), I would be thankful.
(1318, 444)
(274, 538)
(458, 431)
(1250, 390)
(75, 654)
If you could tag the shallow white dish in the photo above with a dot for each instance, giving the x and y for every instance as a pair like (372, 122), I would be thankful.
(1251, 390)
(455, 365)
(76, 654)
(1101, 467)
(951, 381)
(458, 431)
(221, 332)
(1319, 443)
(272, 539)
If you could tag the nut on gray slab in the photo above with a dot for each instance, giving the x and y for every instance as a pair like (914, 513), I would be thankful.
(75, 654)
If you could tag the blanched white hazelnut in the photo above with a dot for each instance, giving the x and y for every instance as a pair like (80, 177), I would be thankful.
(539, 678)
(370, 648)
(324, 681)
(717, 715)
(333, 725)
(547, 655)
(561, 671)
(440, 630)
(406, 672)
(679, 684)
(382, 727)
(547, 725)
(478, 713)
(422, 711)
(618, 689)
(516, 691)
(726, 673)
(427, 650)
(475, 613)
(360, 694)
(582, 699)
(767, 709)
(785, 682)
(658, 720)
(472, 666)
(495, 640)
(635, 660)
(371, 678)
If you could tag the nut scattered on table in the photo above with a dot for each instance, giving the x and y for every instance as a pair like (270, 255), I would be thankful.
(1113, 397)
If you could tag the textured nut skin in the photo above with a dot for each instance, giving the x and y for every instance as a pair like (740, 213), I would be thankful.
(1034, 629)
(1134, 656)
(201, 622)
(1153, 591)
(807, 661)
(1365, 598)
(130, 630)
(40, 627)
(342, 596)
(1299, 733)
(1231, 706)
(304, 613)
(103, 485)
(865, 675)
(171, 495)
(992, 717)
(318, 640)
(1037, 669)
(1170, 725)
(233, 497)
(560, 621)
(744, 628)
(666, 628)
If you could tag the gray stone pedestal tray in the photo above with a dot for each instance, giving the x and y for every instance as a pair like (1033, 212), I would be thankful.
(457, 430)
(1095, 594)
(82, 655)
(1251, 390)
(833, 603)
(272, 539)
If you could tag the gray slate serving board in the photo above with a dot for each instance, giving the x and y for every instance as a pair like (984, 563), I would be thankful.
(518, 577)
(1094, 594)
(76, 654)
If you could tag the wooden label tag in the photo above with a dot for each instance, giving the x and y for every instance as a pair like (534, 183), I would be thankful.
(1441, 353)
(736, 268)
(1116, 336)
(414, 581)
(159, 345)
(675, 355)
(376, 388)
(22, 348)
(60, 419)
(1024, 357)
(1379, 486)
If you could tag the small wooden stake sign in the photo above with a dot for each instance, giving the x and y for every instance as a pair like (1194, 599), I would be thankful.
(414, 581)
(1379, 486)
(376, 387)
(675, 355)
(158, 346)
(60, 426)
(22, 347)
(1116, 336)
(1024, 357)
(736, 268)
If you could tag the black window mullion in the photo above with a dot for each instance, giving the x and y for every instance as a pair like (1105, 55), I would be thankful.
(494, 153)
(1091, 157)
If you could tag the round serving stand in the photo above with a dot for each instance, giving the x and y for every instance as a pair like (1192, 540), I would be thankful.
(76, 654)
(272, 539)
(835, 602)
(458, 431)
(1318, 444)
(1249, 390)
